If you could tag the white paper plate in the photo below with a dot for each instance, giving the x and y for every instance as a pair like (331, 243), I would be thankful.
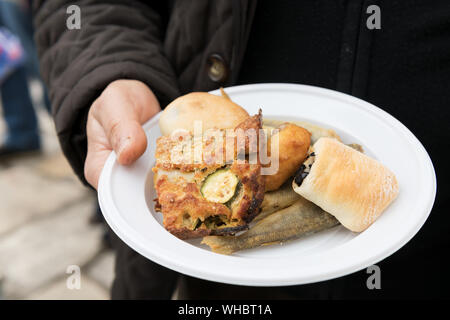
(126, 197)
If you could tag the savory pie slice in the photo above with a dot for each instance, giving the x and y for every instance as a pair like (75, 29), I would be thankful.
(211, 195)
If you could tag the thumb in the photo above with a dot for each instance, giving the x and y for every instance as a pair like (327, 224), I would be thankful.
(122, 127)
(128, 140)
(114, 123)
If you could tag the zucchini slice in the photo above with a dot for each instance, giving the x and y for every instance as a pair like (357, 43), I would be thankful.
(220, 186)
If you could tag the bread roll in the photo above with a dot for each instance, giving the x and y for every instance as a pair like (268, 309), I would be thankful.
(214, 112)
(348, 184)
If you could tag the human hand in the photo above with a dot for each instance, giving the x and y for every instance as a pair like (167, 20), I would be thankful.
(114, 123)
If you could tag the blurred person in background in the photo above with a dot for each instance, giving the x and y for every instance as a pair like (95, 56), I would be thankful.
(11, 53)
(131, 58)
(22, 135)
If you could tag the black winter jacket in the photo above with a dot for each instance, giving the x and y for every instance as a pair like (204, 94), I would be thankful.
(169, 45)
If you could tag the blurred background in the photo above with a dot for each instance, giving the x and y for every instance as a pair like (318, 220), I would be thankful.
(48, 220)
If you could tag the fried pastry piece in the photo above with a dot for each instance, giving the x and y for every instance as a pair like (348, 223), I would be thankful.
(212, 195)
(348, 184)
(293, 144)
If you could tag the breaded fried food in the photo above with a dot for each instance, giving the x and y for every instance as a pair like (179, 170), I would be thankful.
(211, 196)
(294, 142)
(299, 219)
(277, 200)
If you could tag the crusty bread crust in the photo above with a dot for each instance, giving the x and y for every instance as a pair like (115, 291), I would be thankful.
(353, 187)
(198, 106)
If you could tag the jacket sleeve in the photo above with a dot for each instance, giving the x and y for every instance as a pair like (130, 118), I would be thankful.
(117, 40)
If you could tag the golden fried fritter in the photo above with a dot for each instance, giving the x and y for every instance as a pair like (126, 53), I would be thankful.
(212, 195)
(293, 142)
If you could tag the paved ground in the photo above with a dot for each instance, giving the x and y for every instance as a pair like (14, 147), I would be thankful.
(45, 228)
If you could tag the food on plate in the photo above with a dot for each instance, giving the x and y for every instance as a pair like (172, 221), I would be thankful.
(214, 195)
(299, 219)
(220, 186)
(319, 182)
(316, 131)
(348, 184)
(249, 135)
(213, 112)
(293, 144)
(277, 200)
